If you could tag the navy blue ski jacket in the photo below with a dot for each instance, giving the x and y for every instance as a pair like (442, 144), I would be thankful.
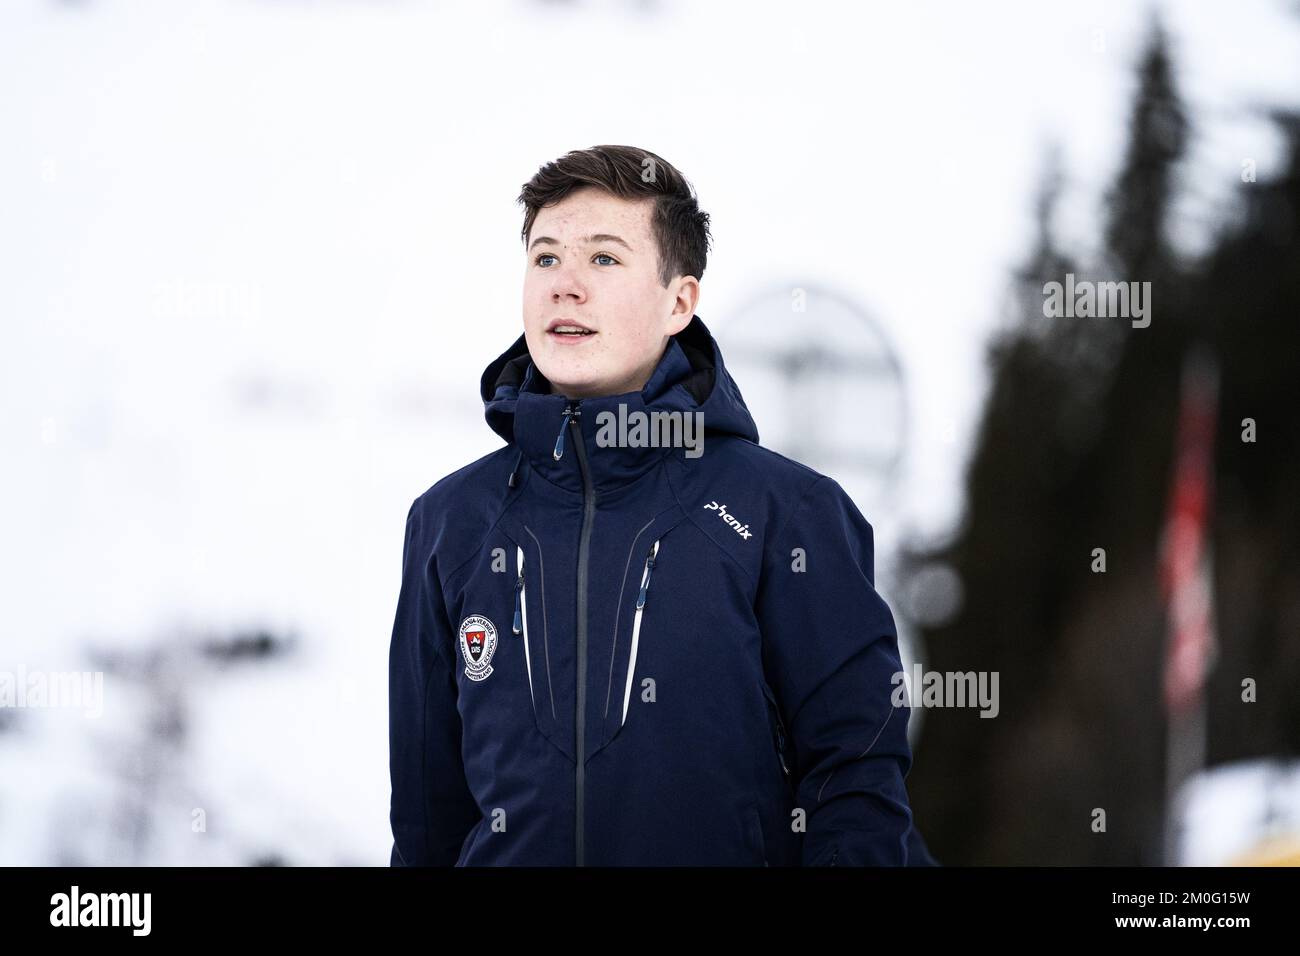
(609, 655)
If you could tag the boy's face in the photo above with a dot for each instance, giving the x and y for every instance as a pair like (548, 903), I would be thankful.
(592, 261)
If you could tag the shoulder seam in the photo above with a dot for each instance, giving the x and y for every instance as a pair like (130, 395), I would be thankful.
(753, 581)
(793, 511)
(506, 506)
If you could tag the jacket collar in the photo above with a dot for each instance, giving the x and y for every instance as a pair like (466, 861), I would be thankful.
(689, 378)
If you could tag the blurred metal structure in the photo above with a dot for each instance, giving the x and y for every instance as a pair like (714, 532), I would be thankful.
(824, 383)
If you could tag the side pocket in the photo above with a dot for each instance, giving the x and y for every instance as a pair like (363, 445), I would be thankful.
(779, 738)
(469, 842)
(756, 834)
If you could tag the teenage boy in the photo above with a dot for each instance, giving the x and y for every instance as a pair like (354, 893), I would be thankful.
(615, 650)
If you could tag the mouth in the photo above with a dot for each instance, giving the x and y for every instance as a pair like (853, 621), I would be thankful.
(568, 331)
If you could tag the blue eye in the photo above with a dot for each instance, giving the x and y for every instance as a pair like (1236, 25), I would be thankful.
(546, 255)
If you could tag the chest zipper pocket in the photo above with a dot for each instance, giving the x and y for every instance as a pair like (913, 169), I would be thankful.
(636, 625)
(520, 626)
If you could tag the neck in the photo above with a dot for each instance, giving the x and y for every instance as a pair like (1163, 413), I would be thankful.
(635, 384)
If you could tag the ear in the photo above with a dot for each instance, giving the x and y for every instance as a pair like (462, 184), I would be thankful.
(687, 297)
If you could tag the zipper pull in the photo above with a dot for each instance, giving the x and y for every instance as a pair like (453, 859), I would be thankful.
(645, 582)
(570, 412)
(519, 618)
(518, 627)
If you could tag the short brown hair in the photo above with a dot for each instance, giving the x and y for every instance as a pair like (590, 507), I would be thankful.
(680, 227)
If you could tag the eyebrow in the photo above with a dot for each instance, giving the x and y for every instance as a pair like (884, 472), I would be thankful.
(598, 237)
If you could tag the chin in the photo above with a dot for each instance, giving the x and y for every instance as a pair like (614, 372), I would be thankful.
(570, 375)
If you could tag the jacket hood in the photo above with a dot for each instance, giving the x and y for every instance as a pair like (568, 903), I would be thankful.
(690, 377)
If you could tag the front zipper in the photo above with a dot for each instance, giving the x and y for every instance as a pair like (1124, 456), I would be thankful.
(636, 626)
(572, 413)
(521, 623)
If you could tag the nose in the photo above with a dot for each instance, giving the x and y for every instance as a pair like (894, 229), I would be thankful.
(565, 285)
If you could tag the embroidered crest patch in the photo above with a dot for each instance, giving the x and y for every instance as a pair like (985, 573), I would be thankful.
(478, 642)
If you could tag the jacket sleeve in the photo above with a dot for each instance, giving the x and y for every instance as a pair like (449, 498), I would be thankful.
(831, 655)
(432, 810)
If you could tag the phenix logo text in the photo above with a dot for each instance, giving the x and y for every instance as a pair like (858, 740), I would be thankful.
(740, 529)
(656, 429)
